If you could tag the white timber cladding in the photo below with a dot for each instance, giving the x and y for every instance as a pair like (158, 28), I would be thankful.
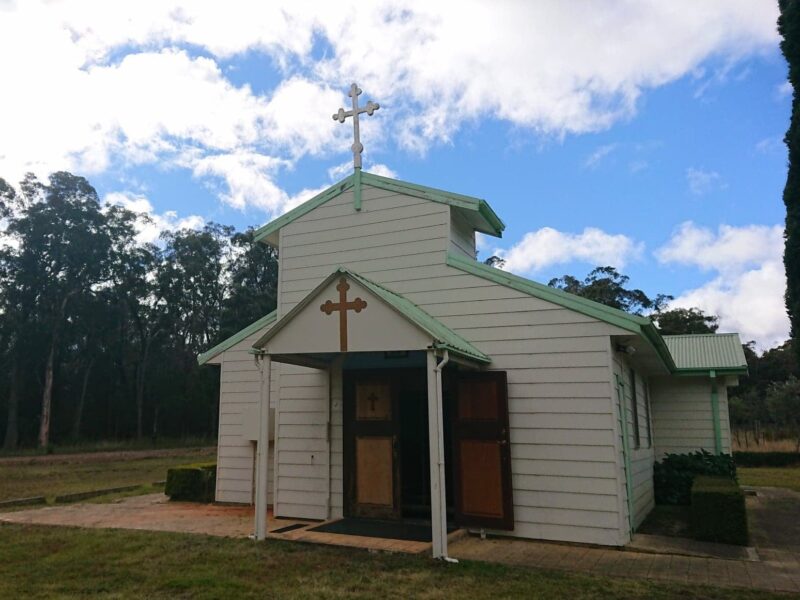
(682, 414)
(563, 447)
(642, 453)
(239, 394)
(462, 235)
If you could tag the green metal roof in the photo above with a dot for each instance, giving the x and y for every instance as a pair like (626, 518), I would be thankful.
(237, 337)
(443, 337)
(720, 352)
(634, 323)
(487, 220)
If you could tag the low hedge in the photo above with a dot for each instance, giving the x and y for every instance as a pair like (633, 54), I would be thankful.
(192, 483)
(674, 474)
(766, 459)
(718, 511)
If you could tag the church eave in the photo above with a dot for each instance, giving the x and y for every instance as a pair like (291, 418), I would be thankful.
(641, 326)
(442, 337)
(237, 337)
(485, 219)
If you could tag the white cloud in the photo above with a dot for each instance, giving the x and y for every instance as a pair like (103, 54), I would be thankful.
(768, 145)
(595, 158)
(97, 83)
(546, 247)
(382, 170)
(344, 169)
(729, 249)
(152, 224)
(748, 288)
(249, 178)
(784, 90)
(637, 165)
(702, 182)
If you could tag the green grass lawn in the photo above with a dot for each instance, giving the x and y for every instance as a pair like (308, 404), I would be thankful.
(785, 477)
(63, 476)
(57, 562)
(112, 446)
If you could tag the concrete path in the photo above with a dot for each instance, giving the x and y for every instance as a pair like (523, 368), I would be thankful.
(152, 512)
(774, 516)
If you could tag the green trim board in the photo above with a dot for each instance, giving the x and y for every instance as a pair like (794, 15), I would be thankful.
(715, 418)
(636, 324)
(237, 337)
(491, 224)
(626, 448)
(496, 225)
(443, 337)
(306, 207)
(722, 352)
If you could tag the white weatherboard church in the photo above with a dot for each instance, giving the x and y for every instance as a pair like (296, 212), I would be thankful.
(406, 381)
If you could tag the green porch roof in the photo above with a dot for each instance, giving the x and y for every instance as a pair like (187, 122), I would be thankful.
(443, 337)
(484, 219)
(721, 352)
(237, 337)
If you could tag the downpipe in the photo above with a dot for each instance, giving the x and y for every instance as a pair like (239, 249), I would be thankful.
(439, 410)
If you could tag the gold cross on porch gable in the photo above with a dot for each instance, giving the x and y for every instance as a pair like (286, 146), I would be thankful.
(343, 306)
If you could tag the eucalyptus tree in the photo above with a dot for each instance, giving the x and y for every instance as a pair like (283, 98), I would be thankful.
(607, 286)
(252, 283)
(63, 252)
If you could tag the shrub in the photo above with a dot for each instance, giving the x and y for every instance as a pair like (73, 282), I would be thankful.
(766, 459)
(673, 476)
(192, 483)
(718, 511)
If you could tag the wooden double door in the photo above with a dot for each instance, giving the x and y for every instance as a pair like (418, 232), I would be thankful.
(386, 456)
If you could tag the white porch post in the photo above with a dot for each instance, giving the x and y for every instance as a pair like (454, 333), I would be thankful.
(262, 450)
(436, 443)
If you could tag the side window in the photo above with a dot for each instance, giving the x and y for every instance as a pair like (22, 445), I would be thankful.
(647, 415)
(637, 438)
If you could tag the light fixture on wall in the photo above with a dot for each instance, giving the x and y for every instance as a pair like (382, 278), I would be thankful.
(626, 348)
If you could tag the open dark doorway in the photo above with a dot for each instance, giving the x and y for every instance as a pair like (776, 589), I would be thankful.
(405, 423)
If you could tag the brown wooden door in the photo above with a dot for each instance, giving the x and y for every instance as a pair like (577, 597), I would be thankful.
(482, 477)
(371, 478)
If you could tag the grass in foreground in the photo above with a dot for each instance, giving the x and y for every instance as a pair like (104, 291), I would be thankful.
(54, 562)
(785, 477)
(22, 480)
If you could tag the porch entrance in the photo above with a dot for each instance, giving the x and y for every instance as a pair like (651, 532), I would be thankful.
(386, 447)
(387, 452)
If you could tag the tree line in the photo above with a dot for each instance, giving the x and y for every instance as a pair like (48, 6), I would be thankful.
(100, 332)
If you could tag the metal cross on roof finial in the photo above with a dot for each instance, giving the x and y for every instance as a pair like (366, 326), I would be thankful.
(340, 116)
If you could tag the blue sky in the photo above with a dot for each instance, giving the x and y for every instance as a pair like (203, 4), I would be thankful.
(639, 135)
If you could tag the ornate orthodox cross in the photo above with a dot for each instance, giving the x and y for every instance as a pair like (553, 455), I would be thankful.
(357, 147)
(343, 306)
(340, 116)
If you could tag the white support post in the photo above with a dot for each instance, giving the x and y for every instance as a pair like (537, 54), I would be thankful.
(436, 443)
(262, 450)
